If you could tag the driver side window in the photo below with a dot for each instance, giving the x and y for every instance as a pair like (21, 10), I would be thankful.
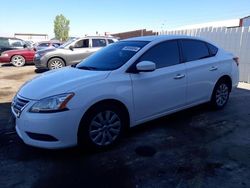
(163, 54)
(82, 43)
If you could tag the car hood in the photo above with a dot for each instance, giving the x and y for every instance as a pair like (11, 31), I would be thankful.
(46, 50)
(59, 81)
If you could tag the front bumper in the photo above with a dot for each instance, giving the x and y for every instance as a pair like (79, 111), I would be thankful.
(63, 126)
(40, 62)
(4, 59)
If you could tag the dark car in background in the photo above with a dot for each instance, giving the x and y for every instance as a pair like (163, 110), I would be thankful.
(47, 44)
(11, 43)
(71, 52)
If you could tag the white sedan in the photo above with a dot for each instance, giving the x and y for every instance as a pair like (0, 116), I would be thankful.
(122, 85)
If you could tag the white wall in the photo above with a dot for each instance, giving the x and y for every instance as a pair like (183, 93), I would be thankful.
(222, 23)
(236, 40)
(32, 38)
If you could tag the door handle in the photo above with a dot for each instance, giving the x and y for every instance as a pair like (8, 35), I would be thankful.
(213, 68)
(179, 76)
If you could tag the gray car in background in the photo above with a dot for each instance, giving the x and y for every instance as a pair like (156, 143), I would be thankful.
(71, 52)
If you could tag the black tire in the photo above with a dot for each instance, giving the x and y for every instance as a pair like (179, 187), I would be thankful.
(90, 128)
(220, 94)
(55, 63)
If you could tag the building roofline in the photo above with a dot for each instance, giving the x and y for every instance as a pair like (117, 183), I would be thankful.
(246, 17)
(30, 34)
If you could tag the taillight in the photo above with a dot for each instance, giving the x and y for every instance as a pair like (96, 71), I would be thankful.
(236, 59)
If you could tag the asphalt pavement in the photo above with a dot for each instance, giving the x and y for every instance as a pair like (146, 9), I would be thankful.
(197, 147)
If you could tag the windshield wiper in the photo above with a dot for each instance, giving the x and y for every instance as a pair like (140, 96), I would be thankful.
(74, 65)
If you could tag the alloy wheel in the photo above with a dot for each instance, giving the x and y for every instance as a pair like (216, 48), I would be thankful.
(18, 60)
(221, 95)
(56, 64)
(104, 128)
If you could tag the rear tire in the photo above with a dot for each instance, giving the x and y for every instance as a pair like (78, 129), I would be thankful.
(18, 61)
(56, 63)
(101, 127)
(220, 94)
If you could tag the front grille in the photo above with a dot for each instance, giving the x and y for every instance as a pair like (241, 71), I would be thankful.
(18, 105)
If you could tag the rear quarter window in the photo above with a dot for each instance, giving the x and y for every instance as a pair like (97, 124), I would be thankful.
(212, 49)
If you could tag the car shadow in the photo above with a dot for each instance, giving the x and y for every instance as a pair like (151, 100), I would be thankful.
(10, 65)
(40, 70)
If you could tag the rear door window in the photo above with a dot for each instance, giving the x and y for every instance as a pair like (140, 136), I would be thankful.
(98, 42)
(110, 41)
(194, 50)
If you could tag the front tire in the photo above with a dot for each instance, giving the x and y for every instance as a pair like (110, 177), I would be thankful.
(56, 63)
(102, 127)
(18, 61)
(220, 94)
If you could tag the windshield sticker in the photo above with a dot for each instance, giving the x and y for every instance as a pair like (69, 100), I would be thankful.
(131, 48)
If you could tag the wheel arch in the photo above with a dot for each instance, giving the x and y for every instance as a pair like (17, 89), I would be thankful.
(19, 55)
(226, 78)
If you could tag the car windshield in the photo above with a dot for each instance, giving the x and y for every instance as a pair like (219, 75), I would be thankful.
(67, 43)
(112, 56)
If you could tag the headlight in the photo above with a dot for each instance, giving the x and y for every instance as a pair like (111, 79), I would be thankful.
(39, 55)
(52, 104)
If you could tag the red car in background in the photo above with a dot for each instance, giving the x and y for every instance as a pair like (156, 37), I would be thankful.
(18, 57)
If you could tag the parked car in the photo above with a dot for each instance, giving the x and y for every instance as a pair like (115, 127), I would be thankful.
(71, 52)
(30, 44)
(123, 85)
(18, 57)
(47, 44)
(10, 43)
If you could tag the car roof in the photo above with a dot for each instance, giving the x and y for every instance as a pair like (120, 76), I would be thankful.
(98, 37)
(49, 41)
(10, 38)
(161, 38)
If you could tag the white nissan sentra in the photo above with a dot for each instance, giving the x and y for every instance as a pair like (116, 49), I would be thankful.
(122, 85)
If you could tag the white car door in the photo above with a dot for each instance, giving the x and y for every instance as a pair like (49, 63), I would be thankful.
(202, 70)
(163, 89)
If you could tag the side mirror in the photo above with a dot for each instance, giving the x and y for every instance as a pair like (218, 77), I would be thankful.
(145, 66)
(25, 46)
(71, 48)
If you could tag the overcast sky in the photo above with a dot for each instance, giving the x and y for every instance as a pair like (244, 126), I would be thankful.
(87, 17)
